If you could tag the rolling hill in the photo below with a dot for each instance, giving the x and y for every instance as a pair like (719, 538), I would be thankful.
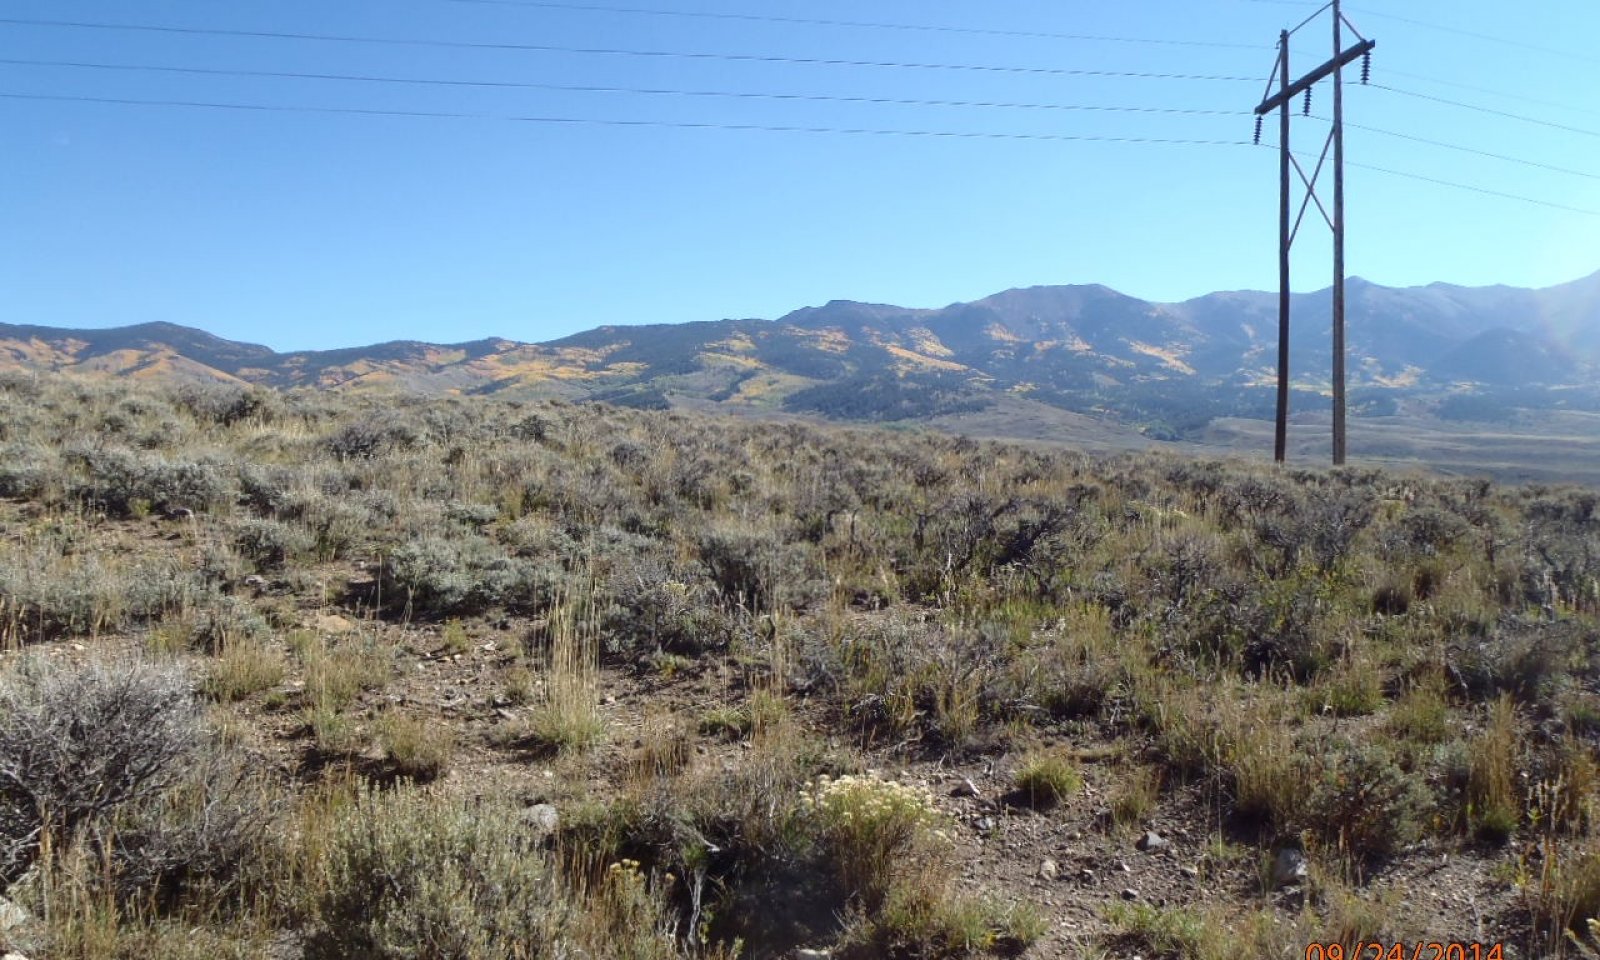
(1166, 370)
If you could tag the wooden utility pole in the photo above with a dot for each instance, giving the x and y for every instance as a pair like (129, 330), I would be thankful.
(1280, 446)
(1338, 245)
(1279, 101)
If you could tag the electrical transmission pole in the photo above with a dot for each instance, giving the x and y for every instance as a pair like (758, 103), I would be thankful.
(1279, 101)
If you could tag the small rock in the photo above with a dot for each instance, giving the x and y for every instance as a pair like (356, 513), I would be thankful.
(805, 953)
(984, 825)
(1086, 876)
(1123, 866)
(334, 624)
(255, 580)
(965, 788)
(1193, 873)
(1129, 893)
(12, 955)
(1049, 870)
(1152, 841)
(1294, 899)
(543, 818)
(1289, 867)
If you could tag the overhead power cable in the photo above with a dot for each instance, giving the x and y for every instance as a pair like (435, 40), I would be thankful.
(1558, 105)
(1481, 190)
(1485, 191)
(1454, 83)
(599, 121)
(868, 24)
(1463, 148)
(1492, 38)
(587, 88)
(1488, 110)
(609, 51)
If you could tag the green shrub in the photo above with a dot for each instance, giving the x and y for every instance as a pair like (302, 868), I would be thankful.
(434, 578)
(270, 544)
(412, 875)
(753, 570)
(26, 471)
(45, 596)
(1366, 804)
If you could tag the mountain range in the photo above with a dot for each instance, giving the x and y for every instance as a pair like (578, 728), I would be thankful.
(1167, 369)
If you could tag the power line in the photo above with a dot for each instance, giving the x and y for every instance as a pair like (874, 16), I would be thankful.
(1493, 92)
(687, 125)
(1488, 110)
(585, 88)
(609, 51)
(1485, 191)
(1481, 190)
(1507, 41)
(1446, 28)
(876, 25)
(893, 101)
(598, 121)
(1462, 148)
(1454, 83)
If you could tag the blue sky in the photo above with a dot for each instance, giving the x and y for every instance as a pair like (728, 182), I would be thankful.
(302, 229)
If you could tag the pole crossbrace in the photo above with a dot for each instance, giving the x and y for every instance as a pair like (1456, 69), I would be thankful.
(1311, 191)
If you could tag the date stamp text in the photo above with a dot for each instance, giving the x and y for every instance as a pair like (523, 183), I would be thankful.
(1417, 950)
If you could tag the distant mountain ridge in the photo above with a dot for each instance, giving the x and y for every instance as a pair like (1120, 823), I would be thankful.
(1167, 368)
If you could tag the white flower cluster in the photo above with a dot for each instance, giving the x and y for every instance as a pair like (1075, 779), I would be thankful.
(867, 800)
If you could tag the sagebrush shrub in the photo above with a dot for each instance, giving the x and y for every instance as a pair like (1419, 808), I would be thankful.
(227, 404)
(433, 577)
(271, 544)
(79, 743)
(410, 874)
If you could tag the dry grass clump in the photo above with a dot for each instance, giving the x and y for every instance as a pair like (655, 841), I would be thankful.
(1047, 778)
(1135, 796)
(415, 748)
(244, 668)
(1494, 799)
(568, 717)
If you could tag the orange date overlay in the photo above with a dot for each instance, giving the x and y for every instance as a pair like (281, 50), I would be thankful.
(1419, 950)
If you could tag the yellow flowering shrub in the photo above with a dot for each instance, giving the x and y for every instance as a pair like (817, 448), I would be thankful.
(868, 827)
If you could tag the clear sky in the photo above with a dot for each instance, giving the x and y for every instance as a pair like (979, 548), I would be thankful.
(303, 229)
